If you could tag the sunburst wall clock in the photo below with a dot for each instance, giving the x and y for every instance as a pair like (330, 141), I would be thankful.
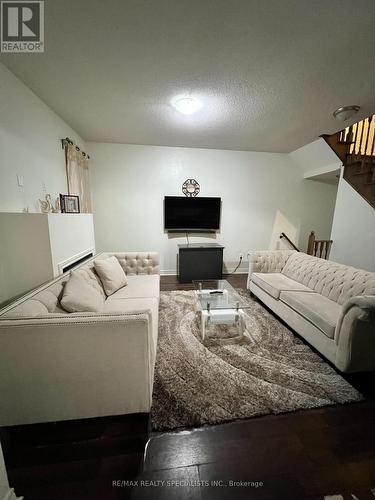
(190, 187)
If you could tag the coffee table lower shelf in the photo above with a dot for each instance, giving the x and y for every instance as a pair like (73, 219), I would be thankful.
(222, 317)
(218, 303)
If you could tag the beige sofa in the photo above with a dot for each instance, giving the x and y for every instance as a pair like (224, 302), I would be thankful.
(56, 365)
(330, 305)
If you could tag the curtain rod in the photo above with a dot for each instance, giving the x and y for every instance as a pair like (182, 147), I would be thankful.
(66, 141)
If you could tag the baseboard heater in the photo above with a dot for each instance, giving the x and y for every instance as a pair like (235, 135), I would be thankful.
(69, 265)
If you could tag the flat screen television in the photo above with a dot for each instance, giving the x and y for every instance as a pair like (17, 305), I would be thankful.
(192, 214)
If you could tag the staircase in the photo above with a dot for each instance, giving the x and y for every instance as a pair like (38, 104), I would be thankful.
(355, 146)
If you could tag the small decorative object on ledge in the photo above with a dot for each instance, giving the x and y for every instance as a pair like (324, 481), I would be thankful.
(190, 187)
(69, 204)
(46, 205)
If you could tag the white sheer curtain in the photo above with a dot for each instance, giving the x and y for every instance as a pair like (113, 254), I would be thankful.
(77, 171)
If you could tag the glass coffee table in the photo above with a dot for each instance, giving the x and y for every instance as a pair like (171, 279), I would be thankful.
(220, 304)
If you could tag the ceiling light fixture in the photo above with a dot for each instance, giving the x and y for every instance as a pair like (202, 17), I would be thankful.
(346, 112)
(186, 105)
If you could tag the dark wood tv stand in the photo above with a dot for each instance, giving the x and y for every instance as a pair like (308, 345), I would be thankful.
(200, 261)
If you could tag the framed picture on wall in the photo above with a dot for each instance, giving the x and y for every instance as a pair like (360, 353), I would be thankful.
(69, 204)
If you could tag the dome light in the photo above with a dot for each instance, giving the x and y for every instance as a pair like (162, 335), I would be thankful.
(186, 105)
(346, 112)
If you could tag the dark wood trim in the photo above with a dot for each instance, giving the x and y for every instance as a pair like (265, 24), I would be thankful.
(340, 150)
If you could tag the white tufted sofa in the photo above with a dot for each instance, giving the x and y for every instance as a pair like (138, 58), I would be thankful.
(331, 305)
(56, 365)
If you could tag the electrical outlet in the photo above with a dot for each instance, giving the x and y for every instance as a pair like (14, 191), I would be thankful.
(241, 256)
(19, 180)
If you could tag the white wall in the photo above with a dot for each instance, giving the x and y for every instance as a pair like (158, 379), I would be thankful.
(315, 157)
(30, 146)
(353, 229)
(25, 257)
(34, 248)
(71, 238)
(262, 193)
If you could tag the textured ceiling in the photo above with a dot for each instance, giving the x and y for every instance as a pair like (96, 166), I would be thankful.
(269, 73)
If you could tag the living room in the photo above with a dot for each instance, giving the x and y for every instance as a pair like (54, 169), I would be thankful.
(119, 124)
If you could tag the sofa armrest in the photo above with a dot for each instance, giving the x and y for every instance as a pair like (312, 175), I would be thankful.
(355, 335)
(86, 365)
(137, 262)
(267, 261)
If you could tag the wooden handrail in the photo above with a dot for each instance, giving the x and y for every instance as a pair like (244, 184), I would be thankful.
(283, 235)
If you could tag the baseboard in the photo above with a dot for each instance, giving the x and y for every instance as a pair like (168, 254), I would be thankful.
(168, 272)
(173, 272)
(227, 269)
(239, 271)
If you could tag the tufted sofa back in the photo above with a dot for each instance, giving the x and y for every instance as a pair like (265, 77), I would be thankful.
(42, 303)
(136, 262)
(264, 261)
(335, 281)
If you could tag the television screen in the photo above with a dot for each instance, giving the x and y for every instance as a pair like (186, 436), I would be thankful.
(191, 214)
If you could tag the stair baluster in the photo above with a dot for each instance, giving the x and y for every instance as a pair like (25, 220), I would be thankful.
(354, 145)
(372, 152)
(318, 248)
(361, 140)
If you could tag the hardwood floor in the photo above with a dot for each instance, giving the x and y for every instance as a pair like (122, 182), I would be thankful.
(301, 455)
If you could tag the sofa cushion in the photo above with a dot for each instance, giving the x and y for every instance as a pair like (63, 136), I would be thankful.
(29, 309)
(141, 285)
(320, 311)
(87, 271)
(80, 295)
(114, 305)
(274, 283)
(111, 274)
(49, 299)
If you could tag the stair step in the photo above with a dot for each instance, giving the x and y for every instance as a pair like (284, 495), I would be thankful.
(345, 142)
(361, 155)
(362, 173)
(364, 159)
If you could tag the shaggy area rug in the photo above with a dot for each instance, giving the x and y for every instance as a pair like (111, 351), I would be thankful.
(270, 371)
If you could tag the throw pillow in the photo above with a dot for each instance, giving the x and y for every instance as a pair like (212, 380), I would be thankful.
(81, 296)
(111, 274)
